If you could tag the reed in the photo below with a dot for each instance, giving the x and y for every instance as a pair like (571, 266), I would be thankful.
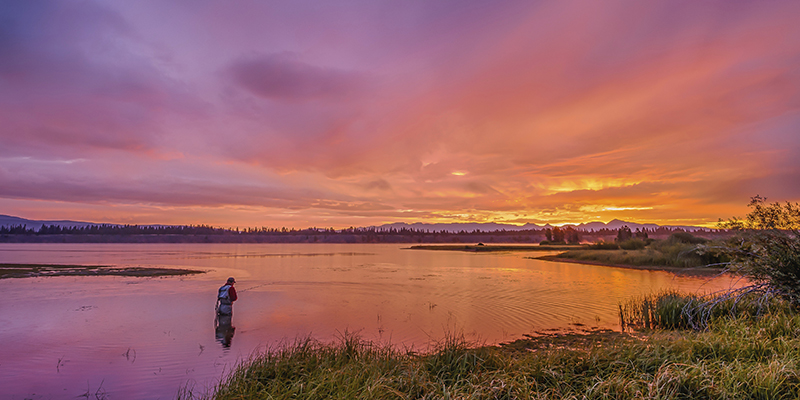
(671, 309)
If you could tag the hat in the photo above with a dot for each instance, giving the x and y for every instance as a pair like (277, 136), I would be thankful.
(231, 280)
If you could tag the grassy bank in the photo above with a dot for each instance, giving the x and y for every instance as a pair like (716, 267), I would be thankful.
(738, 356)
(38, 270)
(636, 258)
(678, 251)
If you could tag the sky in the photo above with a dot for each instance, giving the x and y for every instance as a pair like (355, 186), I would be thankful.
(353, 113)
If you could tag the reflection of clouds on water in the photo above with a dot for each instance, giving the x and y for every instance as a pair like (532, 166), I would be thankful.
(271, 255)
(287, 294)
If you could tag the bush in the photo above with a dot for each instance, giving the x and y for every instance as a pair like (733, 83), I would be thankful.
(602, 245)
(633, 244)
(686, 237)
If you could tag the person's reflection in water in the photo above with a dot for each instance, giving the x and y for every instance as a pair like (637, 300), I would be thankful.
(224, 329)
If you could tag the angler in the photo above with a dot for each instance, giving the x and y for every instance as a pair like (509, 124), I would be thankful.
(226, 297)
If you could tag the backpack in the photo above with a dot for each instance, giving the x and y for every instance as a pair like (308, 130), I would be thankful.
(223, 296)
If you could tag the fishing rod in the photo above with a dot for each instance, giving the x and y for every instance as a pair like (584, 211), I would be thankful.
(255, 287)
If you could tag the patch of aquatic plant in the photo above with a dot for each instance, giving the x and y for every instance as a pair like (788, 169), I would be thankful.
(664, 310)
(734, 358)
(674, 310)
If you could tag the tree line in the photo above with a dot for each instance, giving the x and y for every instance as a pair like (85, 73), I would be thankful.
(556, 234)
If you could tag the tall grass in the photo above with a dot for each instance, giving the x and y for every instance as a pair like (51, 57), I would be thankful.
(664, 310)
(736, 357)
(671, 309)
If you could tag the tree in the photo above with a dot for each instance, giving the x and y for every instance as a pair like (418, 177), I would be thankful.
(763, 216)
(624, 233)
(558, 235)
(572, 235)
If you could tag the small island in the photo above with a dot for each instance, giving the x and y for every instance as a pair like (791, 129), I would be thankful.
(39, 270)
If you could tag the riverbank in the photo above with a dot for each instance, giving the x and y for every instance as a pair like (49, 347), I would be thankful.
(743, 357)
(8, 271)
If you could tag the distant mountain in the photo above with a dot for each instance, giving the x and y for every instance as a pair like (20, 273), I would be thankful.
(616, 224)
(488, 227)
(458, 227)
(7, 220)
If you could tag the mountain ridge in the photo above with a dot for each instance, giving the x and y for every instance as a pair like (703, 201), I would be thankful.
(491, 226)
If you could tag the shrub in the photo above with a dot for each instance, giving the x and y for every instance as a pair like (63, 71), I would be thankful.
(603, 245)
(686, 237)
(633, 244)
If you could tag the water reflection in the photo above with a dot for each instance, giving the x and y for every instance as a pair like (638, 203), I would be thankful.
(70, 331)
(224, 329)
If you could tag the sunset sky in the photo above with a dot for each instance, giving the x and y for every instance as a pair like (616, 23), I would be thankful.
(355, 113)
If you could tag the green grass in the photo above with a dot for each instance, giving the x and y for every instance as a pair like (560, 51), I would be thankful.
(739, 356)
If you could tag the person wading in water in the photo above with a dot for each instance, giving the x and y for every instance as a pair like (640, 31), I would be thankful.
(223, 322)
(226, 297)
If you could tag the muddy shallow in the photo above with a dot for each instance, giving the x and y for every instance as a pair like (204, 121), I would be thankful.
(132, 337)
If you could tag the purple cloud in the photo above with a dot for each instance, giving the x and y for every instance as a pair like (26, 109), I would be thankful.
(282, 76)
(70, 84)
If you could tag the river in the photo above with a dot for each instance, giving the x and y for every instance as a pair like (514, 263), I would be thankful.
(144, 338)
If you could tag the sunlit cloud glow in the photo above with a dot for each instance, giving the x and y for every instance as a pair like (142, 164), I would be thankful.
(357, 113)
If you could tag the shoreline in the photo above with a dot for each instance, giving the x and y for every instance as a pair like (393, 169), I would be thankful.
(677, 270)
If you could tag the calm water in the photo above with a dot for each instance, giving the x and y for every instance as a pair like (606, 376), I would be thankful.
(64, 337)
